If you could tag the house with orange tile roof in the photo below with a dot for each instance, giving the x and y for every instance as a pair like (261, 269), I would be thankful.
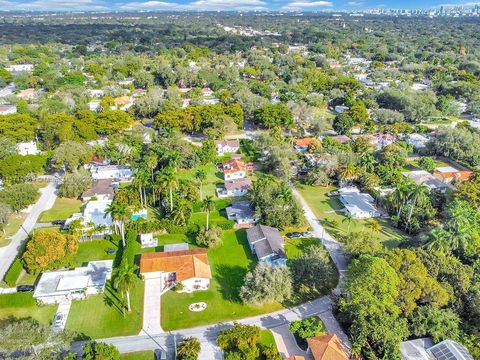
(449, 174)
(327, 347)
(302, 145)
(188, 267)
(296, 357)
(234, 169)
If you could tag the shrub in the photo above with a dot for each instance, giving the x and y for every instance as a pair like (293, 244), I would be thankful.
(209, 238)
(309, 327)
(100, 351)
(13, 273)
(188, 349)
(178, 287)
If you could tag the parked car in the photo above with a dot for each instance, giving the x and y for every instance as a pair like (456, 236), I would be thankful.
(58, 222)
(293, 235)
(25, 288)
(333, 193)
(308, 234)
(111, 251)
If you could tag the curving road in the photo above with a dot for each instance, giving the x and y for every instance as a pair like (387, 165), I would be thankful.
(45, 202)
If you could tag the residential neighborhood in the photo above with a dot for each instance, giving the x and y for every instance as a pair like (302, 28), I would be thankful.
(182, 182)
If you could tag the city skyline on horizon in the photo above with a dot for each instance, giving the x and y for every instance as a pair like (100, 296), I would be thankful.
(222, 5)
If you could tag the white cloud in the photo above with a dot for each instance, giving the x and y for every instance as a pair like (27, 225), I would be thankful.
(468, 4)
(54, 5)
(301, 4)
(197, 5)
(355, 3)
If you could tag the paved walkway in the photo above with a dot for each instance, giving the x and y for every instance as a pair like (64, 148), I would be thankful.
(151, 307)
(9, 252)
(286, 343)
(61, 316)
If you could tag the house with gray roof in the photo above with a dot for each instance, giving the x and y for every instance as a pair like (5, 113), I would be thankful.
(242, 212)
(359, 205)
(268, 244)
(424, 349)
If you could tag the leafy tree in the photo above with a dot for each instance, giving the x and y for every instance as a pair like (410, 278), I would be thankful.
(427, 163)
(313, 272)
(16, 168)
(470, 191)
(18, 127)
(33, 340)
(188, 349)
(358, 243)
(201, 176)
(416, 286)
(369, 307)
(100, 351)
(70, 155)
(274, 115)
(439, 324)
(306, 328)
(7, 147)
(240, 338)
(343, 123)
(5, 213)
(274, 203)
(49, 249)
(73, 185)
(267, 284)
(19, 196)
(210, 238)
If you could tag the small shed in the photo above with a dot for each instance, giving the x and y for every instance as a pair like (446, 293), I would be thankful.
(147, 240)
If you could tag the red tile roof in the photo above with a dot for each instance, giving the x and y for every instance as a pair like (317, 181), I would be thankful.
(327, 347)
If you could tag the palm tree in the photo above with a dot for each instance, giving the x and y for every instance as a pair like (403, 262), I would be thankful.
(91, 229)
(348, 172)
(349, 219)
(124, 280)
(201, 176)
(120, 213)
(170, 181)
(374, 225)
(189, 348)
(182, 211)
(418, 194)
(207, 206)
(152, 162)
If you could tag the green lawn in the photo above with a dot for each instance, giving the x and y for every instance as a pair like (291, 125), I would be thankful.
(94, 250)
(328, 211)
(267, 339)
(295, 247)
(13, 225)
(21, 305)
(139, 355)
(62, 209)
(100, 316)
(213, 180)
(229, 263)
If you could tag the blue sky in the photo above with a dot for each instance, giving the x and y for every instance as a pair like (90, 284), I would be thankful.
(209, 5)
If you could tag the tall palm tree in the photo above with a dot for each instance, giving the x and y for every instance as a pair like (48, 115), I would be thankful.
(181, 213)
(170, 181)
(208, 205)
(349, 219)
(348, 172)
(439, 240)
(120, 214)
(201, 176)
(152, 163)
(124, 280)
(418, 194)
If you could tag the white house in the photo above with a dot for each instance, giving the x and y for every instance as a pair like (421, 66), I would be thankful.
(147, 240)
(27, 148)
(424, 349)
(118, 172)
(242, 212)
(94, 212)
(418, 141)
(8, 109)
(227, 146)
(358, 205)
(235, 188)
(188, 267)
(58, 286)
(96, 93)
(234, 169)
(94, 105)
(19, 68)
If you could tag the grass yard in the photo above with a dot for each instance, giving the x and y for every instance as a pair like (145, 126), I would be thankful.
(100, 316)
(139, 355)
(295, 247)
(267, 339)
(62, 209)
(22, 305)
(229, 263)
(94, 250)
(328, 211)
(16, 219)
(214, 178)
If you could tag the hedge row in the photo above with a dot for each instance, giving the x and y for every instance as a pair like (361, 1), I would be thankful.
(13, 273)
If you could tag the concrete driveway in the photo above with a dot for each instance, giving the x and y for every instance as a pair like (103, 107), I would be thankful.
(151, 307)
(286, 343)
